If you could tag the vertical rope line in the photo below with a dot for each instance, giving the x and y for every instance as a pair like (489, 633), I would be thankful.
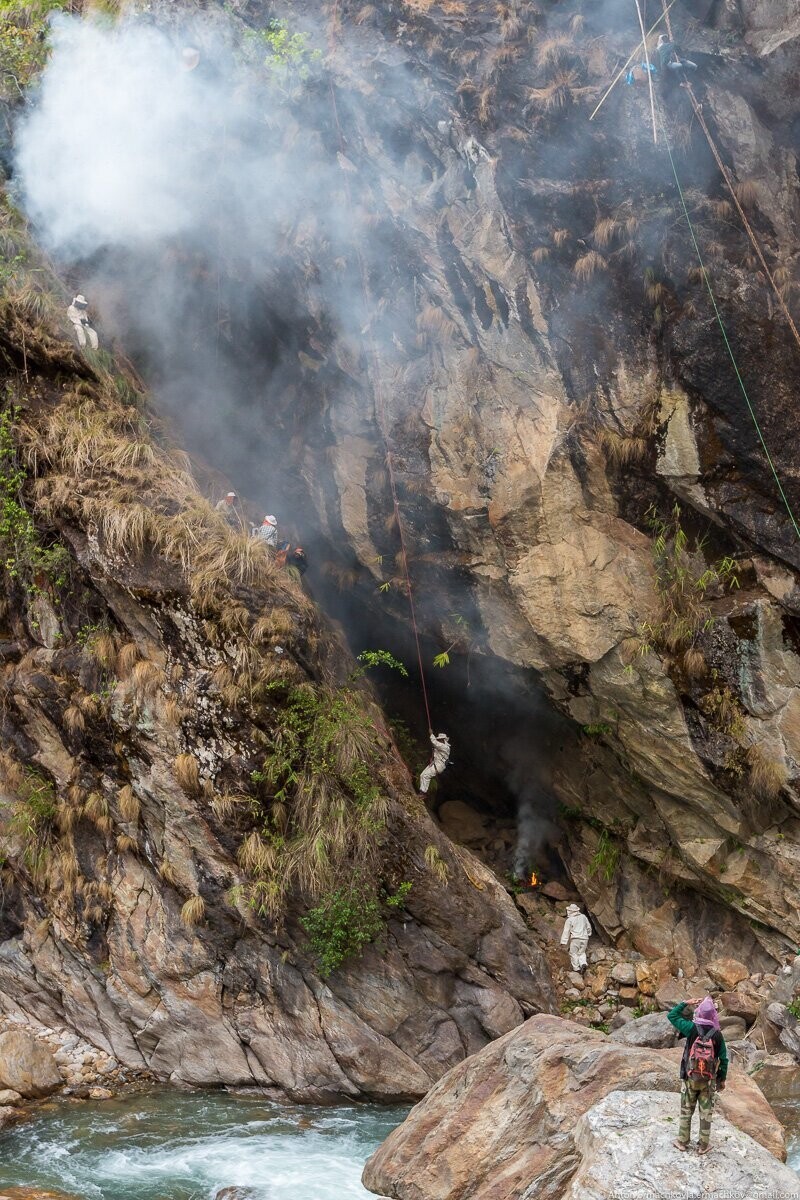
(728, 346)
(379, 399)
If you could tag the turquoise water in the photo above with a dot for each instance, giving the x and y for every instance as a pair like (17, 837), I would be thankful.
(168, 1145)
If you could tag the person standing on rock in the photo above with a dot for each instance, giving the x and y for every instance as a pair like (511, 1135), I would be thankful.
(441, 757)
(704, 1067)
(576, 934)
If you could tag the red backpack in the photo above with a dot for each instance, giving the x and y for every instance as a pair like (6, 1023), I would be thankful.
(702, 1064)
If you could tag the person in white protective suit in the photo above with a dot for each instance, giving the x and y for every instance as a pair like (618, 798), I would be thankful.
(268, 531)
(577, 932)
(441, 756)
(80, 319)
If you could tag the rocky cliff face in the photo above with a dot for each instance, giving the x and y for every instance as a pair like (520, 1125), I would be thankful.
(534, 347)
(155, 663)
(552, 381)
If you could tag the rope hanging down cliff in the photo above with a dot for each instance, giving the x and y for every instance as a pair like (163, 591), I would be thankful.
(380, 406)
(729, 184)
(723, 330)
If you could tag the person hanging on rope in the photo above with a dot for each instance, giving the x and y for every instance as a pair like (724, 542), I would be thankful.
(441, 756)
(669, 57)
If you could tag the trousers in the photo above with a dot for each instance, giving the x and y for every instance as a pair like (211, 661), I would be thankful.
(700, 1096)
(427, 775)
(577, 953)
(83, 332)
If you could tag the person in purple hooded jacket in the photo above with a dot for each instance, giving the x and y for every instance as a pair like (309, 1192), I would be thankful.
(704, 1066)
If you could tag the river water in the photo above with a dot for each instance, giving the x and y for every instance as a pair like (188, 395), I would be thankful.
(169, 1145)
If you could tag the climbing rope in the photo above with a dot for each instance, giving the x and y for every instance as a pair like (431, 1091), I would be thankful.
(729, 184)
(380, 405)
(723, 330)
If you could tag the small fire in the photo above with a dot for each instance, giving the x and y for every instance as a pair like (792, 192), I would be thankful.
(534, 880)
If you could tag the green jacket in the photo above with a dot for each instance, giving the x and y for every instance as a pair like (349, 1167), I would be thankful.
(676, 1016)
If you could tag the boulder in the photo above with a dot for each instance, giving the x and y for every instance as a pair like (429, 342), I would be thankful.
(744, 1004)
(576, 980)
(671, 992)
(556, 891)
(733, 1028)
(629, 996)
(462, 823)
(623, 1145)
(9, 1096)
(27, 1066)
(727, 972)
(596, 979)
(650, 976)
(502, 1125)
(236, 1193)
(623, 1017)
(100, 1093)
(624, 973)
(652, 1030)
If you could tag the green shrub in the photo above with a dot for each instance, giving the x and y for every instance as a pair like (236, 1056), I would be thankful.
(24, 556)
(23, 42)
(346, 921)
(605, 859)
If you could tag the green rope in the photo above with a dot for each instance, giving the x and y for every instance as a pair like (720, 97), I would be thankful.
(718, 315)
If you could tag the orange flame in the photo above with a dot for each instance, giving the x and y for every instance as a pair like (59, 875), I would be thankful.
(534, 880)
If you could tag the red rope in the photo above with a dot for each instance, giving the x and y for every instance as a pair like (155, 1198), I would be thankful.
(380, 405)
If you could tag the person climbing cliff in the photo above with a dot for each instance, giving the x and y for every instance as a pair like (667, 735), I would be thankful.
(78, 315)
(575, 936)
(441, 756)
(704, 1067)
(669, 57)
(267, 531)
(297, 558)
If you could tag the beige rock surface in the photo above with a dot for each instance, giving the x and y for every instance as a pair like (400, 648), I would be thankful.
(502, 1125)
(27, 1066)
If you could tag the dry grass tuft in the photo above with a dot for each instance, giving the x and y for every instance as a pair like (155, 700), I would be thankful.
(129, 804)
(554, 49)
(694, 662)
(126, 844)
(540, 254)
(767, 776)
(560, 237)
(621, 450)
(146, 678)
(127, 659)
(193, 911)
(74, 721)
(436, 864)
(746, 192)
(588, 265)
(604, 232)
(168, 873)
(556, 94)
(187, 774)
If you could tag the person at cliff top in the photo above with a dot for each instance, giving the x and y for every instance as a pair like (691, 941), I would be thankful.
(704, 1066)
(669, 58)
(80, 320)
(439, 760)
(268, 531)
(575, 935)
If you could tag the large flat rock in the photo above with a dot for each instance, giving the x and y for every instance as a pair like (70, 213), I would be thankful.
(624, 1144)
(501, 1126)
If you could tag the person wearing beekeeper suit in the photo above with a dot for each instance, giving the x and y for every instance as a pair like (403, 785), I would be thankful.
(577, 932)
(78, 315)
(441, 756)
